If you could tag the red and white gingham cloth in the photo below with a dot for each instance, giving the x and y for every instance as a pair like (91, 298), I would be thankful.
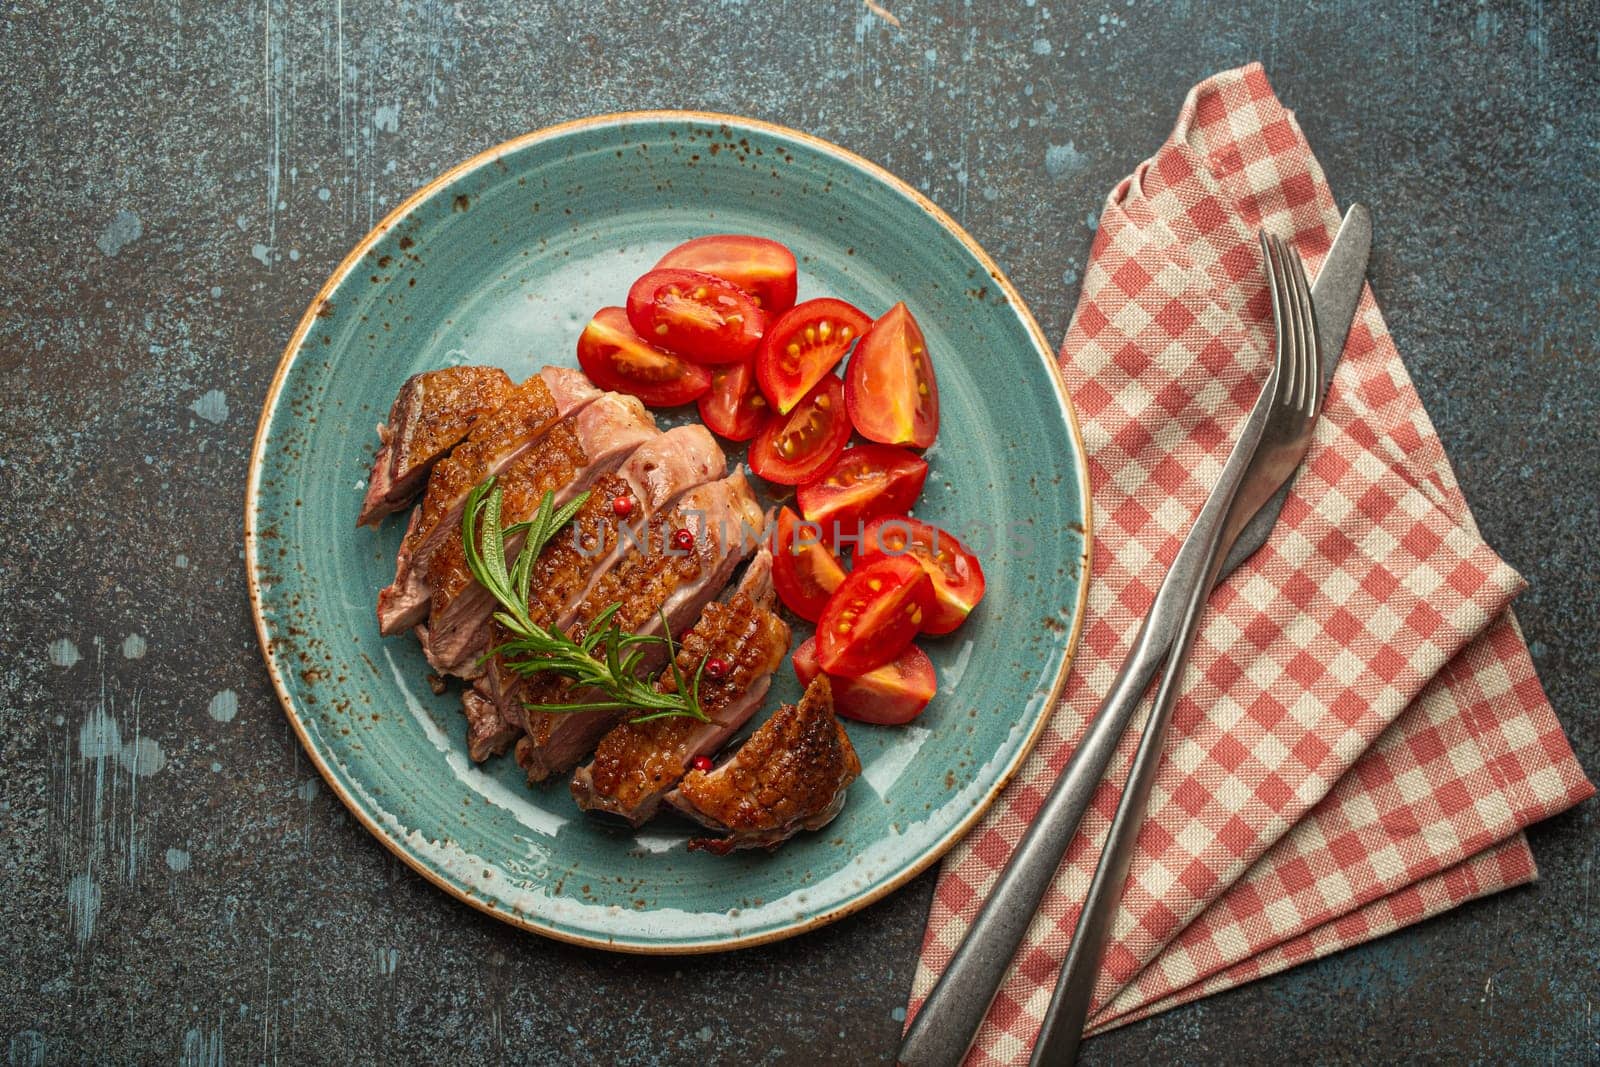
(1362, 737)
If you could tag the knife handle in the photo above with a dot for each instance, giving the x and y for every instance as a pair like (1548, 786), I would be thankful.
(1062, 1027)
(955, 1009)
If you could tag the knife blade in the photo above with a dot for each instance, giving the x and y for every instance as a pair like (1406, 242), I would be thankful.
(956, 1006)
(1335, 294)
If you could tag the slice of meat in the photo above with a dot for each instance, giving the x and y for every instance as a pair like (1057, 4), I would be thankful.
(431, 414)
(565, 461)
(659, 471)
(790, 776)
(495, 442)
(570, 387)
(637, 763)
(654, 582)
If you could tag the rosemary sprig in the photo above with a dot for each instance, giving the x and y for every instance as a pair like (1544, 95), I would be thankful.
(607, 658)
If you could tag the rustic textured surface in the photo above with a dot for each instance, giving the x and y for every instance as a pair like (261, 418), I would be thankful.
(177, 183)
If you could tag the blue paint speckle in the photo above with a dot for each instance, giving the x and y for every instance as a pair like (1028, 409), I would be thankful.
(213, 407)
(122, 231)
(223, 707)
(1064, 160)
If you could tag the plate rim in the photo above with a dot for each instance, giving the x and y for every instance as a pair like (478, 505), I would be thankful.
(532, 923)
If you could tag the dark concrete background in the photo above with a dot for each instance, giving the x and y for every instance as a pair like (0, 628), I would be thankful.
(175, 183)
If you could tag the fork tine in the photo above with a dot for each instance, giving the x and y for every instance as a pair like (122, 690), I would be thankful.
(1313, 345)
(1310, 372)
(1282, 368)
(1291, 394)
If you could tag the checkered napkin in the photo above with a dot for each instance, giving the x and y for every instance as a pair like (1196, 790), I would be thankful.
(1362, 736)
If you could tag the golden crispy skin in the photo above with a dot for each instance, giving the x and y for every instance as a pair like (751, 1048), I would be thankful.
(568, 562)
(641, 581)
(437, 408)
(638, 760)
(791, 773)
(431, 413)
(651, 581)
(548, 466)
(528, 411)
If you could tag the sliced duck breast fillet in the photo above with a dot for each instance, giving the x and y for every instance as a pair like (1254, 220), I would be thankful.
(637, 763)
(653, 477)
(791, 775)
(432, 412)
(496, 441)
(690, 553)
(565, 462)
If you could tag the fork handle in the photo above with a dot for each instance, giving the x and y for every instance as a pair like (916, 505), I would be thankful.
(1062, 1029)
(949, 1019)
(955, 1009)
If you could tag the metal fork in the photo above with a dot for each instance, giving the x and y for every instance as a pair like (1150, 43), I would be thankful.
(1295, 391)
(956, 1006)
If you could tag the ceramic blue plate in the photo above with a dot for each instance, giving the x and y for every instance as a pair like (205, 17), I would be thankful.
(502, 260)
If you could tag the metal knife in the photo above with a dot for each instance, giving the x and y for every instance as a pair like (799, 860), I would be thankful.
(949, 1019)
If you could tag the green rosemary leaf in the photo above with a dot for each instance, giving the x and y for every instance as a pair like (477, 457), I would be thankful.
(607, 658)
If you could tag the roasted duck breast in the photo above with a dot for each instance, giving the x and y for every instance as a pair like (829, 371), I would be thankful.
(565, 461)
(742, 643)
(496, 441)
(657, 473)
(432, 412)
(791, 775)
(687, 557)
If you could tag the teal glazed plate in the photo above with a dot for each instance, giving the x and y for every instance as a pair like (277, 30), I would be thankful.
(502, 260)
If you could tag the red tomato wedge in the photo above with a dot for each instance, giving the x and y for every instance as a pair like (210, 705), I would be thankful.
(893, 694)
(734, 408)
(890, 387)
(866, 481)
(873, 616)
(616, 358)
(699, 316)
(796, 447)
(804, 571)
(957, 578)
(763, 268)
(803, 346)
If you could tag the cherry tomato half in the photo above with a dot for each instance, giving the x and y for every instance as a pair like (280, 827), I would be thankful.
(804, 572)
(890, 387)
(763, 268)
(699, 316)
(735, 408)
(796, 447)
(616, 358)
(805, 344)
(957, 578)
(873, 616)
(892, 694)
(866, 481)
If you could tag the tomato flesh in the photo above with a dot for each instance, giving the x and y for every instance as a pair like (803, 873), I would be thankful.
(803, 346)
(864, 482)
(889, 695)
(873, 616)
(890, 387)
(698, 316)
(734, 407)
(804, 572)
(796, 447)
(618, 359)
(957, 577)
(762, 267)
